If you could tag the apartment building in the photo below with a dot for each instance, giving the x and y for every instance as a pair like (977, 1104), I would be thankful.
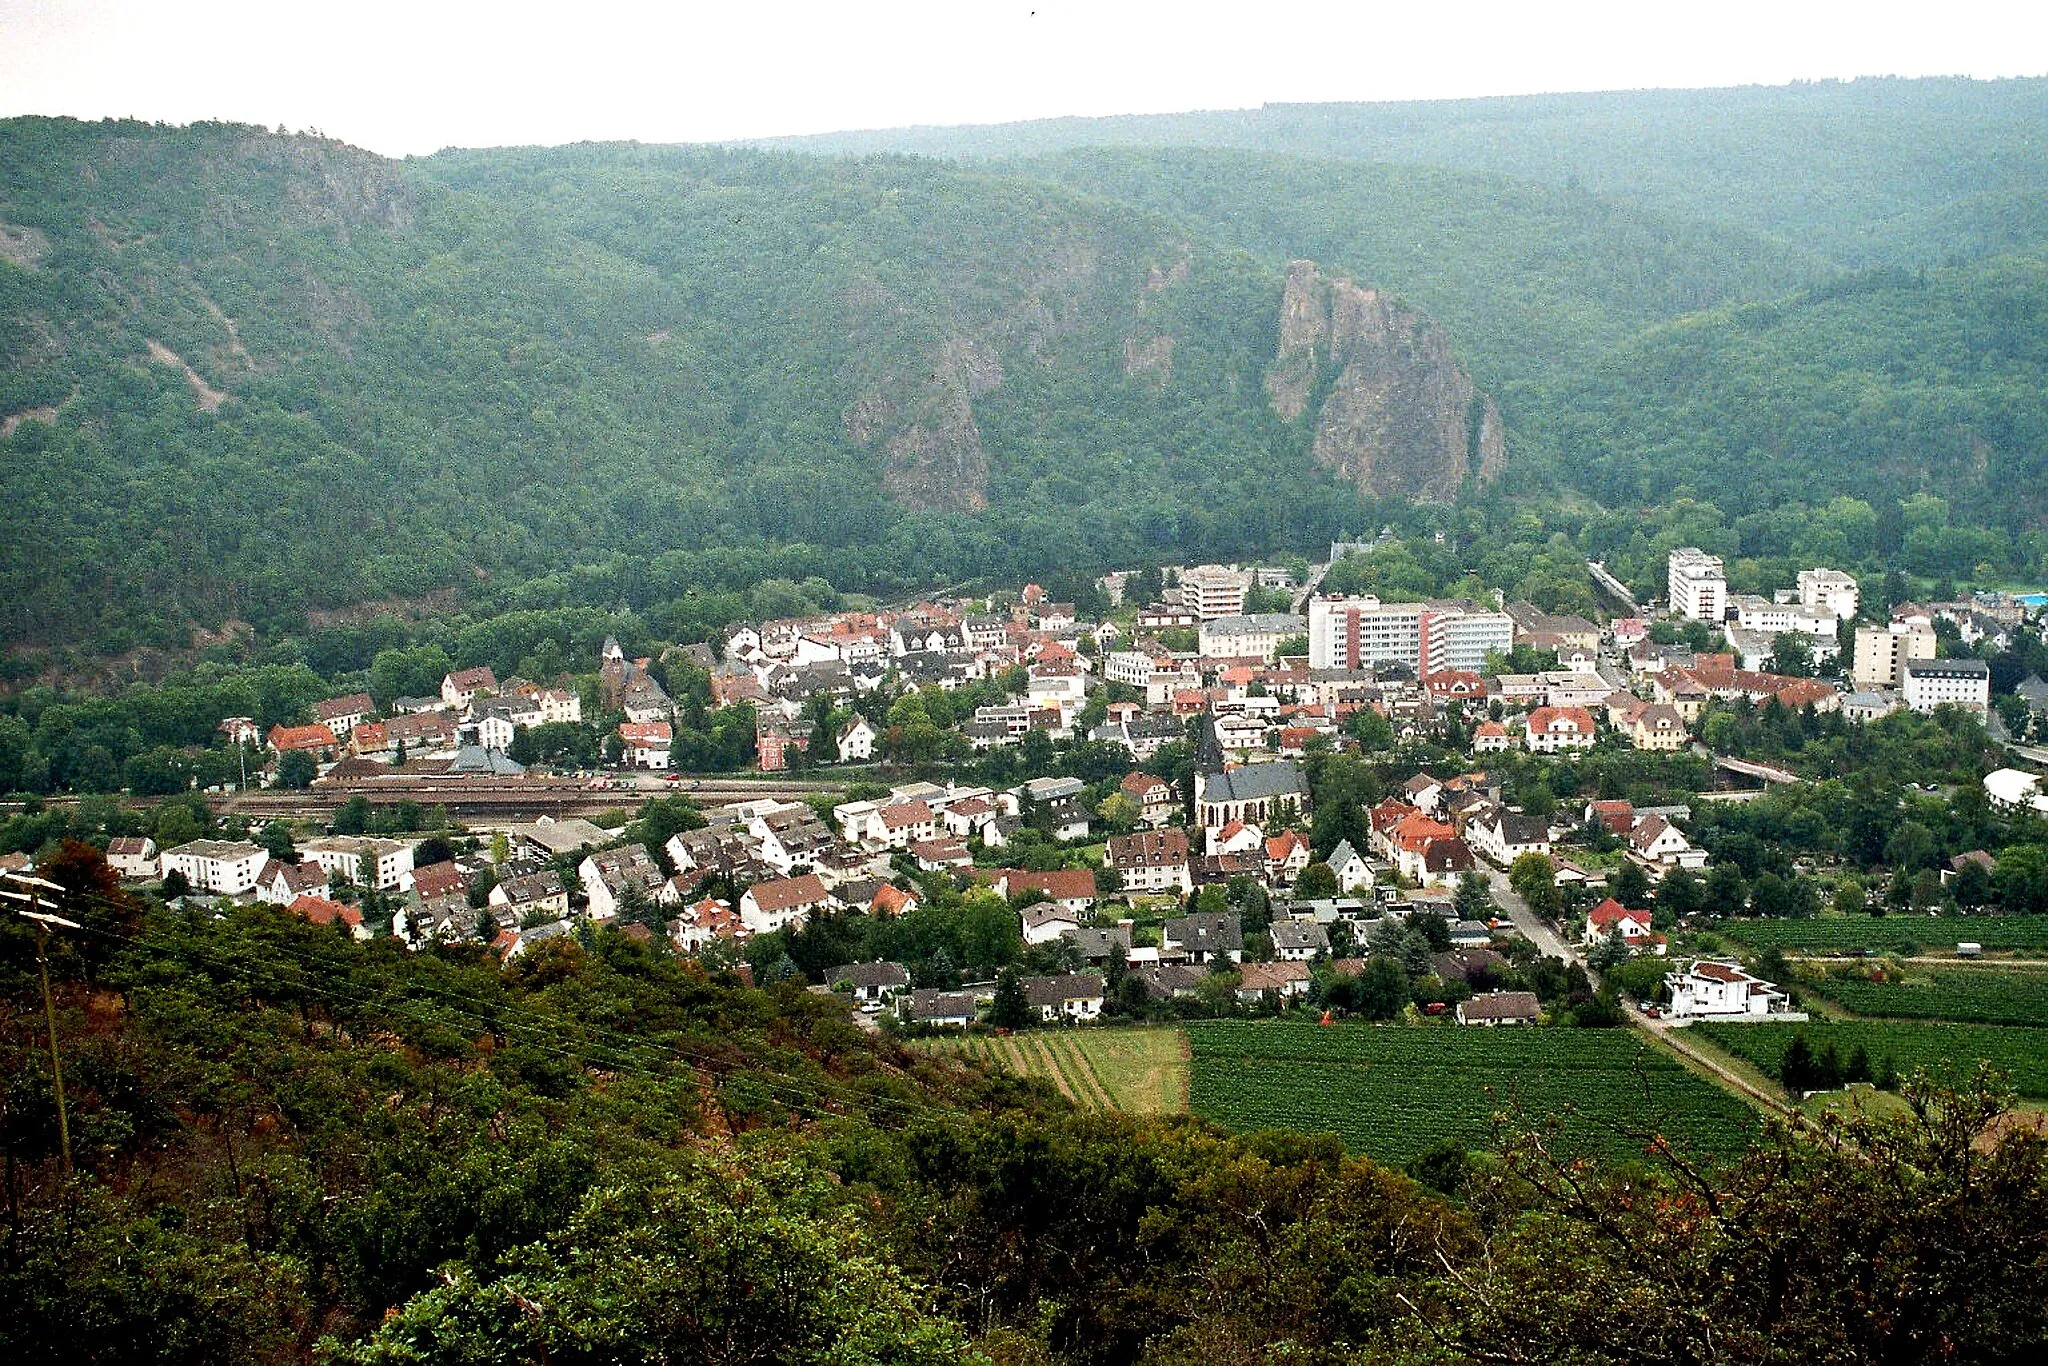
(1929, 683)
(1829, 591)
(1882, 653)
(1429, 637)
(1213, 590)
(1697, 584)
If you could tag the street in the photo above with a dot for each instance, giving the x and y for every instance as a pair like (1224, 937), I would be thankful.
(1533, 929)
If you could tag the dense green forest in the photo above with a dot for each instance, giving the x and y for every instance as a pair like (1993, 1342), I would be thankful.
(286, 1145)
(245, 376)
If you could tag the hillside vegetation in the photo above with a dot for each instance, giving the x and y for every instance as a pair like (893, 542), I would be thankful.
(246, 376)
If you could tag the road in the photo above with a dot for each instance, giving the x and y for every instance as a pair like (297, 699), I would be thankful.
(1534, 930)
(1675, 1040)
(1308, 590)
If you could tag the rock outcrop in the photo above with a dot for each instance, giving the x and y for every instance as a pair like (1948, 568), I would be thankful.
(930, 443)
(1399, 416)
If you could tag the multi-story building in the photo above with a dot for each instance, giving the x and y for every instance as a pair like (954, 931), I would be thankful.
(1929, 683)
(1697, 584)
(1882, 652)
(1829, 591)
(342, 856)
(1213, 590)
(1242, 637)
(229, 867)
(1429, 637)
(1151, 860)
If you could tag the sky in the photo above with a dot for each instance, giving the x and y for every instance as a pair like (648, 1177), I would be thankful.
(403, 78)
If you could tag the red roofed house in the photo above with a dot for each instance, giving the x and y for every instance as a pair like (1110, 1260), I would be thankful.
(439, 879)
(891, 900)
(647, 743)
(460, 688)
(1237, 837)
(1634, 926)
(905, 823)
(1154, 797)
(1447, 685)
(311, 739)
(1491, 737)
(370, 737)
(783, 902)
(321, 911)
(342, 714)
(1554, 729)
(1286, 856)
(1072, 888)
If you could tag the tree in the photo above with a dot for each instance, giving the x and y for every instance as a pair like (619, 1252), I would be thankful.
(1631, 885)
(352, 817)
(1011, 1008)
(1792, 654)
(1474, 898)
(1850, 897)
(1681, 894)
(1610, 953)
(276, 839)
(296, 770)
(1726, 892)
(1317, 882)
(520, 751)
(1797, 1069)
(1382, 988)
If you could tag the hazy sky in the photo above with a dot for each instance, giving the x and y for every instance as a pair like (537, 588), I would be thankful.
(413, 77)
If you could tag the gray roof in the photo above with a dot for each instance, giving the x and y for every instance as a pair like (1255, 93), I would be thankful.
(1296, 934)
(926, 1004)
(1949, 668)
(1255, 782)
(1215, 932)
(1500, 1005)
(1342, 855)
(1057, 990)
(870, 975)
(1094, 943)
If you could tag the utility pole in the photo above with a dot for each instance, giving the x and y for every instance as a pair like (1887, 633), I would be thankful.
(45, 922)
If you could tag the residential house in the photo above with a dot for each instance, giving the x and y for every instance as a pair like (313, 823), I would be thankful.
(784, 902)
(1656, 727)
(1656, 841)
(133, 857)
(1634, 927)
(1299, 941)
(1351, 868)
(280, 884)
(706, 921)
(1073, 889)
(1098, 948)
(349, 857)
(462, 687)
(1042, 922)
(1711, 990)
(1067, 819)
(1504, 835)
(1500, 1008)
(857, 742)
(941, 1009)
(528, 896)
(1553, 730)
(1067, 996)
(1284, 980)
(1205, 937)
(1236, 838)
(609, 876)
(1287, 854)
(1153, 797)
(316, 740)
(342, 714)
(225, 867)
(319, 910)
(870, 981)
(1491, 737)
(1151, 861)
(937, 855)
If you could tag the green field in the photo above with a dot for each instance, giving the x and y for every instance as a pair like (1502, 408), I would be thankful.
(1390, 1091)
(1940, 1048)
(1141, 1071)
(2000, 996)
(1892, 933)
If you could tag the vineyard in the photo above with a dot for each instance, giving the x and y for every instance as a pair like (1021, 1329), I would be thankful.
(1974, 995)
(1940, 1048)
(1140, 1071)
(1893, 933)
(1390, 1092)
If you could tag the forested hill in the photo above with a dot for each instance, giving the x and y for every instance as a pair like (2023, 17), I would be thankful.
(244, 375)
(1850, 169)
(248, 373)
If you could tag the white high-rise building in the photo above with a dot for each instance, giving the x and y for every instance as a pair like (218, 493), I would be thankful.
(1698, 585)
(1830, 591)
(1213, 590)
(1928, 683)
(1429, 637)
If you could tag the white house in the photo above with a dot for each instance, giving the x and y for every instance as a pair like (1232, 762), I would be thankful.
(608, 876)
(1352, 871)
(1719, 991)
(857, 741)
(1068, 996)
(228, 867)
(342, 856)
(133, 856)
(787, 902)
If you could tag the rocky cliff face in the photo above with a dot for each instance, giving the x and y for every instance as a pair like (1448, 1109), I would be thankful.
(1401, 417)
(931, 446)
